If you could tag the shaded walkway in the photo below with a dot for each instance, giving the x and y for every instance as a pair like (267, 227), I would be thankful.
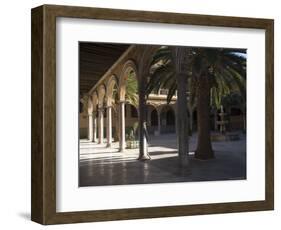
(106, 166)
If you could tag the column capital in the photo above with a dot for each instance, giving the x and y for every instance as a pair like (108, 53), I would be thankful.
(100, 109)
(108, 106)
(122, 102)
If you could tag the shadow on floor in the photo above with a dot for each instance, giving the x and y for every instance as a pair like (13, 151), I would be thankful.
(122, 170)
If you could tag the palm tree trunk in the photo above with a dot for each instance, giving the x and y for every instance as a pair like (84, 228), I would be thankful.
(143, 145)
(204, 147)
(182, 120)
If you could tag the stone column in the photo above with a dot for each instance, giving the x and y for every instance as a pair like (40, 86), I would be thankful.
(94, 126)
(90, 127)
(122, 141)
(109, 126)
(100, 123)
(180, 58)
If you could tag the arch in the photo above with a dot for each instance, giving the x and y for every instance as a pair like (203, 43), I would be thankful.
(150, 107)
(101, 95)
(170, 116)
(131, 111)
(154, 118)
(167, 119)
(128, 67)
(111, 85)
(164, 108)
(134, 111)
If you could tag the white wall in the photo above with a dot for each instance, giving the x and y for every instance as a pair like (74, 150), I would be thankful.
(15, 113)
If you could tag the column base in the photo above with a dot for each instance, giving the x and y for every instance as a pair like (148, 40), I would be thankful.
(121, 149)
(145, 157)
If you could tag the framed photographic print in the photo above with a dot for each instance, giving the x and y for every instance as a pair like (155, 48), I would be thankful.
(147, 114)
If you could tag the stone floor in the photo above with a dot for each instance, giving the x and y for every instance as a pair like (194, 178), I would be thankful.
(106, 166)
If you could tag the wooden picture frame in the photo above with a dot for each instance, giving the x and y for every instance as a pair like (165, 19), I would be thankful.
(43, 208)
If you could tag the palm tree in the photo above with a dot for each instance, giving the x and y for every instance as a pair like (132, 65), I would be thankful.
(191, 104)
(132, 90)
(131, 97)
(210, 70)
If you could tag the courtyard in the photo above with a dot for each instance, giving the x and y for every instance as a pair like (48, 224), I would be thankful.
(161, 114)
(100, 165)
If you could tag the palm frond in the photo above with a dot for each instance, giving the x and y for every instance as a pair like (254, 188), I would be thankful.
(132, 90)
(172, 91)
